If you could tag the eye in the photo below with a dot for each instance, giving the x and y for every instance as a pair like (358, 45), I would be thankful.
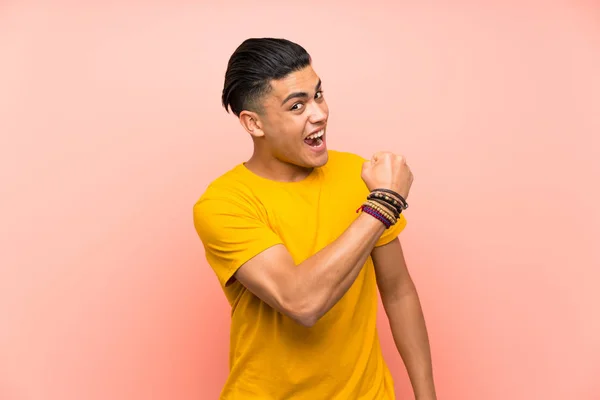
(319, 94)
(296, 107)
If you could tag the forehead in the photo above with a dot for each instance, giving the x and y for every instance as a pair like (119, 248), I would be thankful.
(304, 80)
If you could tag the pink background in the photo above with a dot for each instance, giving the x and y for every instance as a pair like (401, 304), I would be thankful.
(111, 127)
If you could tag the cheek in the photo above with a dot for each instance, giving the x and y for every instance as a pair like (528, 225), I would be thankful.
(294, 129)
(288, 132)
(293, 136)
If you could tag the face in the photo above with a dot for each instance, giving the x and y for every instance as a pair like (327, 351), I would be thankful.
(292, 125)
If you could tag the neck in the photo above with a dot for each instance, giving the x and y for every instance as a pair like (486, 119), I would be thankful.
(276, 170)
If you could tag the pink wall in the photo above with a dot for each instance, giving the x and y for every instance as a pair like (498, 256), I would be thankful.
(111, 127)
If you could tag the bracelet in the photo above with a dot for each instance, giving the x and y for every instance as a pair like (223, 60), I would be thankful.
(390, 197)
(383, 210)
(376, 214)
(386, 206)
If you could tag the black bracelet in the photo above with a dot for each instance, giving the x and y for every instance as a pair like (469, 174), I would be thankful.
(387, 199)
(402, 200)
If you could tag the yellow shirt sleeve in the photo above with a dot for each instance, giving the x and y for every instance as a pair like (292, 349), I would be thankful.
(392, 233)
(232, 233)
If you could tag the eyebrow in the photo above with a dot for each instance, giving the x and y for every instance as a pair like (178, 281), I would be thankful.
(300, 94)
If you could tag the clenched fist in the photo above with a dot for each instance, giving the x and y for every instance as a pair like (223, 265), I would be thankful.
(388, 171)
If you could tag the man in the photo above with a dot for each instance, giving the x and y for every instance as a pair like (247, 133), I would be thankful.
(299, 264)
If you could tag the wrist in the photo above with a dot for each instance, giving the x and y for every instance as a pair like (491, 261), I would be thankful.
(372, 224)
(389, 197)
(379, 214)
(384, 206)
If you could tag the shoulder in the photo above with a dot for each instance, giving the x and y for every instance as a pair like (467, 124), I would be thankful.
(227, 194)
(225, 185)
(231, 224)
(345, 159)
(234, 183)
(345, 156)
(343, 173)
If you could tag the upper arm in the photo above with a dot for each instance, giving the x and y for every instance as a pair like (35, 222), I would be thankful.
(393, 277)
(268, 276)
(239, 245)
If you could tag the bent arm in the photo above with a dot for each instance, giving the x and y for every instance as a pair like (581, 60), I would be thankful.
(305, 292)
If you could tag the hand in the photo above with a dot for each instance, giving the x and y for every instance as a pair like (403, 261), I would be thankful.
(388, 171)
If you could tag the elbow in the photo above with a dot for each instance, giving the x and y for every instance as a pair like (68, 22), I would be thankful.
(303, 312)
(399, 295)
(393, 291)
(308, 320)
(303, 305)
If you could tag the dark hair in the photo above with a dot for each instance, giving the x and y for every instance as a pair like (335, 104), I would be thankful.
(253, 65)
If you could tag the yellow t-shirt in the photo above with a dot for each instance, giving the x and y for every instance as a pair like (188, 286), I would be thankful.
(271, 356)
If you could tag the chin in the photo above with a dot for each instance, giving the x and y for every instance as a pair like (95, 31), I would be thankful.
(317, 161)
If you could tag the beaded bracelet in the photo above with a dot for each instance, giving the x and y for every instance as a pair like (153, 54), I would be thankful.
(385, 199)
(374, 213)
(384, 205)
(390, 198)
(383, 210)
(387, 206)
(383, 192)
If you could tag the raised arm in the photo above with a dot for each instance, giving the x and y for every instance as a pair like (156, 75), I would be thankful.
(305, 292)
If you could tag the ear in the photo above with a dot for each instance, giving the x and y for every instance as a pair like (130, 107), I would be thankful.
(251, 123)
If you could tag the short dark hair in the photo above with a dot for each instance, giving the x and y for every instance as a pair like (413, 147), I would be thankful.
(253, 65)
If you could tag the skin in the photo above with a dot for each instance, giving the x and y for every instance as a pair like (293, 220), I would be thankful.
(403, 309)
(305, 292)
(279, 129)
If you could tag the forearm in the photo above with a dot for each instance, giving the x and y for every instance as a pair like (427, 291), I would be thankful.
(327, 275)
(410, 336)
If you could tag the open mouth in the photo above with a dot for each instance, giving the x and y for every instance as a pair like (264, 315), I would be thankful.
(316, 139)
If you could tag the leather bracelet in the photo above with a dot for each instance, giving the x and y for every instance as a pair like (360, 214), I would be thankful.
(402, 200)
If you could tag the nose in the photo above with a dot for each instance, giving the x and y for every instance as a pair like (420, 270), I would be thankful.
(318, 113)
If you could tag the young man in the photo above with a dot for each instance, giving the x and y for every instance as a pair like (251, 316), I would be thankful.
(300, 239)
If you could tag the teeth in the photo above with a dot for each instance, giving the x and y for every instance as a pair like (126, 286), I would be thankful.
(316, 135)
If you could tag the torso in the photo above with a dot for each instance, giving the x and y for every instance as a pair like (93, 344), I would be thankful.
(273, 357)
